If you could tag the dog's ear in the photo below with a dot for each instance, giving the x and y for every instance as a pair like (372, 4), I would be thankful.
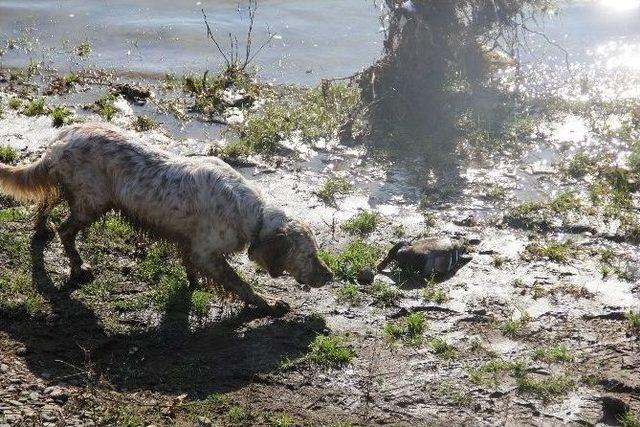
(271, 252)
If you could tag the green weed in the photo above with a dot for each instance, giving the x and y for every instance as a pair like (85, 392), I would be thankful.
(333, 188)
(35, 108)
(443, 349)
(553, 250)
(200, 303)
(629, 419)
(559, 353)
(281, 420)
(14, 103)
(60, 116)
(350, 293)
(363, 223)
(633, 320)
(330, 351)
(105, 106)
(493, 371)
(410, 328)
(83, 49)
(8, 154)
(144, 124)
(357, 255)
(384, 295)
(546, 388)
(308, 113)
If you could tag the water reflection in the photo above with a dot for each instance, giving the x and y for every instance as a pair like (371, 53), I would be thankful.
(620, 5)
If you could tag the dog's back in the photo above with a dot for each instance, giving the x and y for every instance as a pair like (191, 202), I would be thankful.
(177, 197)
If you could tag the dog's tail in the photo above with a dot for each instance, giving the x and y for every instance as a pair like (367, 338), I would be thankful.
(28, 183)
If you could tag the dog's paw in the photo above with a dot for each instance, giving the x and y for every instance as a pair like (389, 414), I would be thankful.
(44, 234)
(81, 275)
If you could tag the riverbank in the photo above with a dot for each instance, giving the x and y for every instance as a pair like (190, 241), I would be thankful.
(540, 327)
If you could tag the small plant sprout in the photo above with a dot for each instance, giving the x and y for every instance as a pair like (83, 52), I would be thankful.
(433, 294)
(513, 327)
(410, 328)
(350, 293)
(330, 351)
(35, 108)
(443, 349)
(547, 387)
(333, 188)
(280, 420)
(553, 251)
(357, 255)
(83, 49)
(200, 303)
(629, 419)
(414, 326)
(499, 261)
(8, 154)
(384, 295)
(493, 371)
(144, 124)
(14, 103)
(105, 106)
(392, 331)
(559, 353)
(633, 321)
(363, 223)
(60, 116)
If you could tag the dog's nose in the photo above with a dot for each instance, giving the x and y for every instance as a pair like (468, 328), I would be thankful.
(325, 277)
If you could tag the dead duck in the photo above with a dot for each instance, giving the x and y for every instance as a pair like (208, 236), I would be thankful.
(433, 255)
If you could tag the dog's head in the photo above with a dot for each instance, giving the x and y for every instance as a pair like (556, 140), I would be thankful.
(293, 248)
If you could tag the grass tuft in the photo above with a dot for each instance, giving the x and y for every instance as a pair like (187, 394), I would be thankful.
(310, 114)
(629, 419)
(144, 124)
(410, 329)
(633, 321)
(35, 108)
(357, 255)
(14, 103)
(443, 349)
(384, 295)
(363, 223)
(552, 250)
(333, 188)
(105, 106)
(280, 420)
(546, 388)
(559, 353)
(8, 154)
(60, 116)
(330, 351)
(200, 303)
(350, 293)
(491, 372)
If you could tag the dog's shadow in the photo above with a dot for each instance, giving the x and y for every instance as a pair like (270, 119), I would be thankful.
(71, 346)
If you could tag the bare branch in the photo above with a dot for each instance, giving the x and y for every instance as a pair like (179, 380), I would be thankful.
(213, 39)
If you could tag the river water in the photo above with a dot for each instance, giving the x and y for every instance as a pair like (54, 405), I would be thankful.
(313, 39)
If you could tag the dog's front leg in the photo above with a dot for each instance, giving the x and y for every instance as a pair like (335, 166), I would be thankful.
(220, 272)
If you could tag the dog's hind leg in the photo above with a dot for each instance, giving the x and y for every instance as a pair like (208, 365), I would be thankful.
(192, 274)
(78, 220)
(43, 229)
(220, 272)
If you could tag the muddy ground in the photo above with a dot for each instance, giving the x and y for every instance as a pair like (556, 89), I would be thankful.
(539, 328)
